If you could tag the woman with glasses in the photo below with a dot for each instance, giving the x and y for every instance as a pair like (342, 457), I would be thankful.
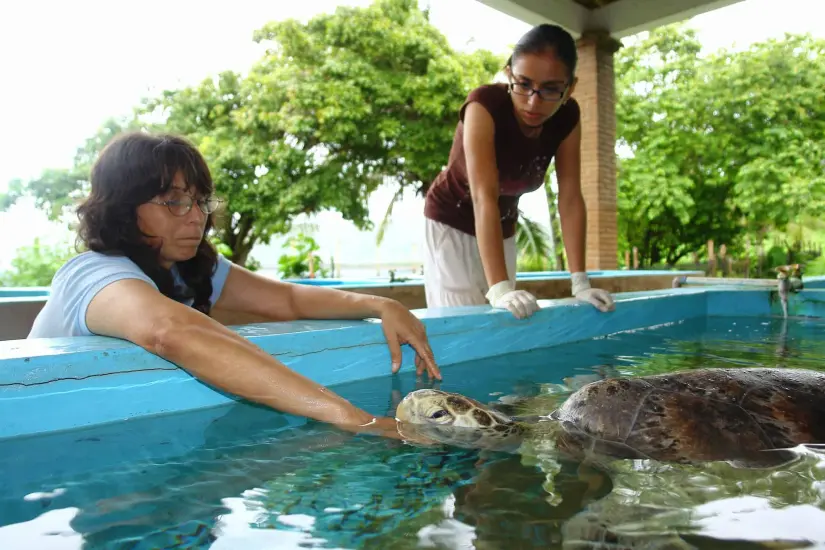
(505, 139)
(150, 276)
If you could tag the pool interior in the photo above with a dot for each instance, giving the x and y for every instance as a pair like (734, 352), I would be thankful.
(242, 476)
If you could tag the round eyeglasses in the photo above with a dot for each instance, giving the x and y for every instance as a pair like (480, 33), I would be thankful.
(181, 207)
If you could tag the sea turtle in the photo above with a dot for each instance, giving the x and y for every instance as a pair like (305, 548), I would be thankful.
(733, 414)
(694, 420)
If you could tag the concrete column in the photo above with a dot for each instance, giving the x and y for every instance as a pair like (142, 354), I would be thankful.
(595, 93)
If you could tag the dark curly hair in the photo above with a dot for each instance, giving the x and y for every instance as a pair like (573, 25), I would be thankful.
(131, 170)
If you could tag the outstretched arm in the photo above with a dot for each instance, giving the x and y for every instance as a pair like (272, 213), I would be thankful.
(248, 292)
(132, 310)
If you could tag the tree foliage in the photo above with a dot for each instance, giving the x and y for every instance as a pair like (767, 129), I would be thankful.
(376, 88)
(265, 177)
(723, 147)
(335, 108)
(36, 265)
(57, 190)
(295, 263)
(533, 245)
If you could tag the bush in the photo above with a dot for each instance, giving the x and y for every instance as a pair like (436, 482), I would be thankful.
(36, 265)
(814, 268)
(296, 265)
(224, 250)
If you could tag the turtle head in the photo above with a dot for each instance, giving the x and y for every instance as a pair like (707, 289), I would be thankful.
(456, 419)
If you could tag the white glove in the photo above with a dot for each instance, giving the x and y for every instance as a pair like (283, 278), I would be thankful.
(601, 299)
(504, 295)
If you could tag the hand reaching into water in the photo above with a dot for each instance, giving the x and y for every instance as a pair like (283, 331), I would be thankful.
(391, 428)
(383, 426)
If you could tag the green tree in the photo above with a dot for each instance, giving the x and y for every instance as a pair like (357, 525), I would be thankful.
(533, 245)
(375, 90)
(266, 177)
(722, 147)
(36, 265)
(335, 108)
(57, 191)
(296, 264)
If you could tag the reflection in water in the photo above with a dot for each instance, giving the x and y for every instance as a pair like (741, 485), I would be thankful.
(48, 531)
(716, 500)
(254, 482)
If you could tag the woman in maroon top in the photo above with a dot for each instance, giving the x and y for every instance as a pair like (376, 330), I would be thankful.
(505, 139)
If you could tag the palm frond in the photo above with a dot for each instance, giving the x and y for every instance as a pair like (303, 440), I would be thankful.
(382, 227)
(533, 244)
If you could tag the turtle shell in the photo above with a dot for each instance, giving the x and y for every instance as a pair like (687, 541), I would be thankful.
(698, 415)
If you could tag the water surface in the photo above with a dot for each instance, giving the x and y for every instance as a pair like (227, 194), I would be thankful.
(243, 477)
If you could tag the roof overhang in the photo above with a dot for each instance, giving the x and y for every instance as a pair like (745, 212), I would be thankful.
(618, 17)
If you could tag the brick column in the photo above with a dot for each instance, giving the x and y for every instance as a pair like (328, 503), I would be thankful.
(595, 93)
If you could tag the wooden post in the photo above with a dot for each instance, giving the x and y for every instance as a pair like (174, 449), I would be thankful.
(311, 259)
(627, 259)
(635, 258)
(711, 260)
(723, 250)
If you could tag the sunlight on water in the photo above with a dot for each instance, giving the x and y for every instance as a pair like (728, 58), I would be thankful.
(243, 478)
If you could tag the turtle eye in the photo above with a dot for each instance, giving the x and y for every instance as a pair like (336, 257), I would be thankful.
(438, 414)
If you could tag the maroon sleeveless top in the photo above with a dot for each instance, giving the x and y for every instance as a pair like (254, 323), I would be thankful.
(522, 161)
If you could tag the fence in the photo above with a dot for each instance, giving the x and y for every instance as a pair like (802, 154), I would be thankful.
(754, 262)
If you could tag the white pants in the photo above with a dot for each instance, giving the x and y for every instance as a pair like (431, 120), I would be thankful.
(453, 273)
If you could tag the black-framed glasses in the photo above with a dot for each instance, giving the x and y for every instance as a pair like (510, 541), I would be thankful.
(181, 207)
(547, 94)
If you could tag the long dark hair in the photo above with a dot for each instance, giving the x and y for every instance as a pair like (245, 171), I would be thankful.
(547, 37)
(131, 170)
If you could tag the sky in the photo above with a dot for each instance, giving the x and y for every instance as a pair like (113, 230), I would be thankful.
(67, 66)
